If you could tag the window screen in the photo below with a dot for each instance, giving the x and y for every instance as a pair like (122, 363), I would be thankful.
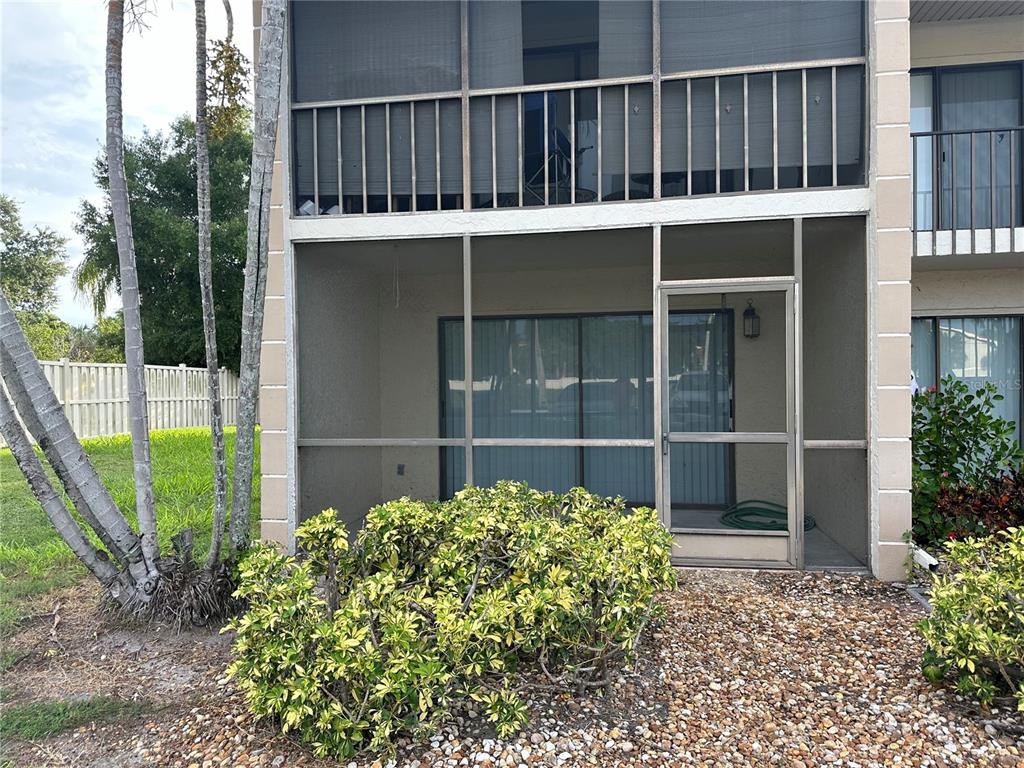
(552, 41)
(350, 50)
(706, 35)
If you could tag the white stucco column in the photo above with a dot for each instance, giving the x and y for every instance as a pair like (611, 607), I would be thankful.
(889, 258)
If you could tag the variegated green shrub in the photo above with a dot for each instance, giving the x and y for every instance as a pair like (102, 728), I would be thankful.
(439, 601)
(976, 628)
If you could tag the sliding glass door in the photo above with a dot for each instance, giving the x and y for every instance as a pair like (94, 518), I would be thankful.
(588, 377)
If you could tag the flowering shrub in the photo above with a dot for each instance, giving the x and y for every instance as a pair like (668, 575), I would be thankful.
(958, 443)
(439, 601)
(976, 628)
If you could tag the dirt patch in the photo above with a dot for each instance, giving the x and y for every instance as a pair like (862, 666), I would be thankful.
(749, 668)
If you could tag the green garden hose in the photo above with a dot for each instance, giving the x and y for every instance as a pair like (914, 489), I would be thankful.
(758, 515)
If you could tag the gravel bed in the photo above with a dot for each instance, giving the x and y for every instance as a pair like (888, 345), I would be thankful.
(748, 669)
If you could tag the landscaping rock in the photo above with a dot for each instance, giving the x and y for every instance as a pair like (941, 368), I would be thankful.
(747, 669)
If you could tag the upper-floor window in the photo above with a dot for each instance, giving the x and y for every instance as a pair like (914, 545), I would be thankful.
(966, 122)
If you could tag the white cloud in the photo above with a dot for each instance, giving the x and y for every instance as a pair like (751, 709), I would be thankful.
(52, 99)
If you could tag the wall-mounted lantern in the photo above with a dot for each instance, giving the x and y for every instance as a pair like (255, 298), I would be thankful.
(751, 322)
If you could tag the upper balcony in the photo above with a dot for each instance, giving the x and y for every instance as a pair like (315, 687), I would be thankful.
(966, 118)
(442, 105)
(967, 192)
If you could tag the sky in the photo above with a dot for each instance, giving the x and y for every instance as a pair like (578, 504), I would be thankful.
(52, 101)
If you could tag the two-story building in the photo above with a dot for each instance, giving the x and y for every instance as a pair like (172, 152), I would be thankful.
(665, 250)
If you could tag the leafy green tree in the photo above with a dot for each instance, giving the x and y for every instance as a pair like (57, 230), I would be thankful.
(161, 176)
(30, 262)
(99, 343)
(47, 334)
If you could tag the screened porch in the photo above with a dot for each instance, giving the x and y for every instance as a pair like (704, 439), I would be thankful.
(583, 371)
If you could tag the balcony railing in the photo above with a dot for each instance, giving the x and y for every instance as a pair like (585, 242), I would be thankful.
(711, 132)
(967, 191)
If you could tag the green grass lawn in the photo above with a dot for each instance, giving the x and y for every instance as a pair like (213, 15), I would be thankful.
(34, 559)
(39, 719)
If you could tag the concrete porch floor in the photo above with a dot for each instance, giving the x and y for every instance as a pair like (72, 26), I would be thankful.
(821, 552)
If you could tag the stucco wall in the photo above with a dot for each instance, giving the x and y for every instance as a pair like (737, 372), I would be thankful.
(968, 292)
(975, 41)
(835, 378)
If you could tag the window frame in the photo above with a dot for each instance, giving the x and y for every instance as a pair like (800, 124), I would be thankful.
(937, 354)
(936, 72)
(442, 379)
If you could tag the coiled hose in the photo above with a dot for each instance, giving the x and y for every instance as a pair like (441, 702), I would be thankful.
(759, 515)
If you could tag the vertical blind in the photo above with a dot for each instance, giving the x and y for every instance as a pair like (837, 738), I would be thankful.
(976, 350)
(978, 100)
(591, 376)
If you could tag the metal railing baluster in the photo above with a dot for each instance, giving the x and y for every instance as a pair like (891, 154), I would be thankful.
(600, 147)
(519, 144)
(625, 141)
(437, 150)
(572, 146)
(546, 155)
(952, 186)
(1013, 192)
(835, 150)
(387, 150)
(992, 189)
(316, 169)
(913, 190)
(494, 156)
(689, 138)
(973, 184)
(718, 141)
(746, 134)
(933, 143)
(803, 118)
(412, 155)
(775, 130)
(341, 189)
(362, 150)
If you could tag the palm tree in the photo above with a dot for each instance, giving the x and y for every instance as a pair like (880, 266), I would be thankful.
(134, 354)
(266, 106)
(220, 470)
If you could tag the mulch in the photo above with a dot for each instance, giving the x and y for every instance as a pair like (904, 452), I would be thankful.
(749, 668)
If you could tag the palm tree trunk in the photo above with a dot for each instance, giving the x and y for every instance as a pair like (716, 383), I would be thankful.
(117, 583)
(133, 350)
(26, 410)
(231, 20)
(265, 113)
(36, 401)
(220, 469)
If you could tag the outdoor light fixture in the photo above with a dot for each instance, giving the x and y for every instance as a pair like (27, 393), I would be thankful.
(751, 321)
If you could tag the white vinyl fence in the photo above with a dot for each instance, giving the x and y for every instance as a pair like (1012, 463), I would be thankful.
(95, 396)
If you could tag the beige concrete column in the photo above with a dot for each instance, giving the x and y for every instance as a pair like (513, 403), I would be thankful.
(274, 506)
(889, 236)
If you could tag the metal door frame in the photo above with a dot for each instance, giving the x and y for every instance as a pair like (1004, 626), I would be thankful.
(790, 437)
